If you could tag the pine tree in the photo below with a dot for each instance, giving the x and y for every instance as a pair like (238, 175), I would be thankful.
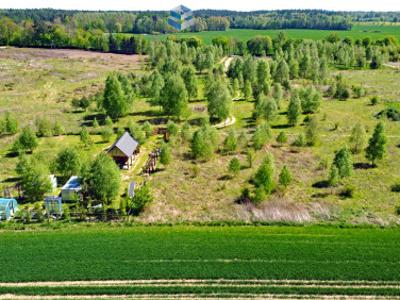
(277, 93)
(333, 176)
(248, 91)
(377, 144)
(312, 132)
(250, 155)
(219, 100)
(281, 138)
(294, 110)
(264, 178)
(85, 137)
(114, 100)
(26, 141)
(230, 142)
(263, 77)
(343, 162)
(190, 80)
(358, 138)
(282, 72)
(165, 154)
(261, 136)
(174, 97)
(285, 177)
(234, 166)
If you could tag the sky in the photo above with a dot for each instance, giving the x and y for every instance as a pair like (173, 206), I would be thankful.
(242, 5)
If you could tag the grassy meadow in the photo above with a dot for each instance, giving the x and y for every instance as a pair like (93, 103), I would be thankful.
(186, 191)
(375, 32)
(201, 261)
(305, 201)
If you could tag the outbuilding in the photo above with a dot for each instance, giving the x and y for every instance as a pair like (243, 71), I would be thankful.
(53, 205)
(8, 208)
(124, 151)
(71, 191)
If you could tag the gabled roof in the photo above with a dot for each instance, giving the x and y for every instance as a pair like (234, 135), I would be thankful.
(72, 184)
(7, 201)
(126, 143)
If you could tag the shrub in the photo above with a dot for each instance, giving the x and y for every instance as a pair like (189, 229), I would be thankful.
(106, 133)
(347, 191)
(300, 141)
(234, 166)
(165, 155)
(172, 128)
(147, 128)
(43, 128)
(398, 210)
(396, 187)
(374, 100)
(281, 138)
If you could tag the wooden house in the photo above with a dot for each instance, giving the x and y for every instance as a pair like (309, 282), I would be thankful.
(124, 151)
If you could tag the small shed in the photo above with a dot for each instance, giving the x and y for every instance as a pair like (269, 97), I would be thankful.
(8, 207)
(71, 191)
(53, 205)
(124, 151)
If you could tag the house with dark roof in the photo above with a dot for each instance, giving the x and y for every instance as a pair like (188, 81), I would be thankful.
(124, 151)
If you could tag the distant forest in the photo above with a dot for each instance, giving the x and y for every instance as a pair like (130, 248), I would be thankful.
(105, 30)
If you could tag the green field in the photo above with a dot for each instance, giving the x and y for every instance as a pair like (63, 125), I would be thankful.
(357, 32)
(167, 260)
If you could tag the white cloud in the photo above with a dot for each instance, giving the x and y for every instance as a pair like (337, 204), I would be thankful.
(248, 5)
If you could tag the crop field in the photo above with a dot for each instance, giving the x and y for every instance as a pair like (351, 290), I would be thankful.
(357, 32)
(187, 261)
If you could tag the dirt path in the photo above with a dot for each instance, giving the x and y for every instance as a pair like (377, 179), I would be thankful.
(215, 296)
(218, 283)
(210, 282)
(393, 65)
(228, 122)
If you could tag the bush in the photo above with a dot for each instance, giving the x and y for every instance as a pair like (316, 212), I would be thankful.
(106, 134)
(43, 128)
(374, 100)
(234, 166)
(396, 187)
(300, 141)
(398, 210)
(347, 191)
(358, 91)
(147, 128)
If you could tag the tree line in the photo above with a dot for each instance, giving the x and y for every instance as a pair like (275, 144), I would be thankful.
(205, 20)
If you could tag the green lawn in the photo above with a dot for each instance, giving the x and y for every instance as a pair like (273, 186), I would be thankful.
(357, 32)
(240, 254)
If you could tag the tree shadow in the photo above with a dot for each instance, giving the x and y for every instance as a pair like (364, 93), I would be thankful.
(224, 178)
(281, 126)
(320, 195)
(12, 154)
(323, 184)
(196, 121)
(364, 166)
(147, 113)
(11, 180)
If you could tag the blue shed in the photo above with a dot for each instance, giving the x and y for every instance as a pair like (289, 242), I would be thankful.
(8, 207)
(53, 205)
